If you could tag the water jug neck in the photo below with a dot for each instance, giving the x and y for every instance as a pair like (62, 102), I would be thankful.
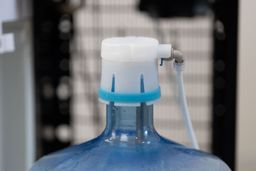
(132, 124)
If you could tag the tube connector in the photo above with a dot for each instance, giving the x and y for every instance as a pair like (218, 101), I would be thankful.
(174, 54)
(177, 56)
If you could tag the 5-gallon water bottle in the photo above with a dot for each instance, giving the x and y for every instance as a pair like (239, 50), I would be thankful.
(129, 87)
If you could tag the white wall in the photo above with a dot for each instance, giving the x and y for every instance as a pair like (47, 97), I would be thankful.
(1, 119)
(246, 149)
(17, 102)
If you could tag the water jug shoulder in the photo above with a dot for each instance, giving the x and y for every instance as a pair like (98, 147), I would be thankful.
(98, 155)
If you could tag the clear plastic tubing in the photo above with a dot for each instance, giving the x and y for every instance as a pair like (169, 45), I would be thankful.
(179, 67)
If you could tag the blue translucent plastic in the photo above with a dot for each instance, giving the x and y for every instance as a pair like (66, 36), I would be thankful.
(130, 98)
(130, 143)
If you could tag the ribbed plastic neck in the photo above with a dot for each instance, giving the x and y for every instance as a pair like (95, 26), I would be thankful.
(130, 124)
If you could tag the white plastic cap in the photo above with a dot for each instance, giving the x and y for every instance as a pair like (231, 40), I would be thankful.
(133, 49)
(130, 70)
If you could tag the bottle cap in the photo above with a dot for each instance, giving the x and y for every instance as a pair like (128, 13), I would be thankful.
(129, 73)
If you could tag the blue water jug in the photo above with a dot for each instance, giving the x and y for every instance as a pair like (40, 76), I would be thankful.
(130, 142)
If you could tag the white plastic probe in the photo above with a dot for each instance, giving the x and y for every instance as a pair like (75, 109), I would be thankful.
(128, 58)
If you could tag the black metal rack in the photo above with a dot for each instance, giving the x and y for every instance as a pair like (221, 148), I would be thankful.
(225, 80)
(52, 32)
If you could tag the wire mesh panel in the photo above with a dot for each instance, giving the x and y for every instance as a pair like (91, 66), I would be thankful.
(100, 19)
